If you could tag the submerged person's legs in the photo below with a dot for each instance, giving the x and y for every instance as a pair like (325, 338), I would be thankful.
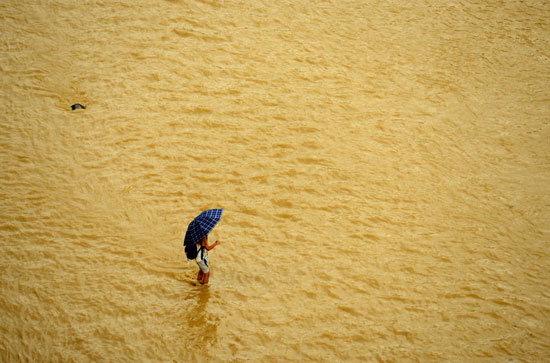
(200, 275)
(205, 278)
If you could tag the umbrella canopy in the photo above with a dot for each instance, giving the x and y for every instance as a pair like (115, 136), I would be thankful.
(199, 228)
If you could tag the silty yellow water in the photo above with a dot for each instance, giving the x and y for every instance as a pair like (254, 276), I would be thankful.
(383, 168)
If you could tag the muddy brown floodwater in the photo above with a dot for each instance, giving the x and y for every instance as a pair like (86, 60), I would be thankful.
(384, 169)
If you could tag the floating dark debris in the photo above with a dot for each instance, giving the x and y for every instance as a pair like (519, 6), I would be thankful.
(77, 106)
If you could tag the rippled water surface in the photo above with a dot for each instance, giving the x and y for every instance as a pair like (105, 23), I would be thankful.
(384, 169)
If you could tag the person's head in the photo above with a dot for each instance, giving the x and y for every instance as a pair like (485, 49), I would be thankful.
(203, 241)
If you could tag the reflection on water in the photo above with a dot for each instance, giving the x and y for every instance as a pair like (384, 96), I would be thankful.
(383, 169)
(204, 324)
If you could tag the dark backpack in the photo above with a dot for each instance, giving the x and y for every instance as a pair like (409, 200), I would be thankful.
(191, 251)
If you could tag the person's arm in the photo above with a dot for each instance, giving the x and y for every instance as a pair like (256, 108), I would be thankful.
(208, 248)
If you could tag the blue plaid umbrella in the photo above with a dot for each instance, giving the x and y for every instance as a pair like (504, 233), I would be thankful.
(199, 228)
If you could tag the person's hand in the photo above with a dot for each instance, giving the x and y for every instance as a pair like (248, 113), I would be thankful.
(218, 242)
